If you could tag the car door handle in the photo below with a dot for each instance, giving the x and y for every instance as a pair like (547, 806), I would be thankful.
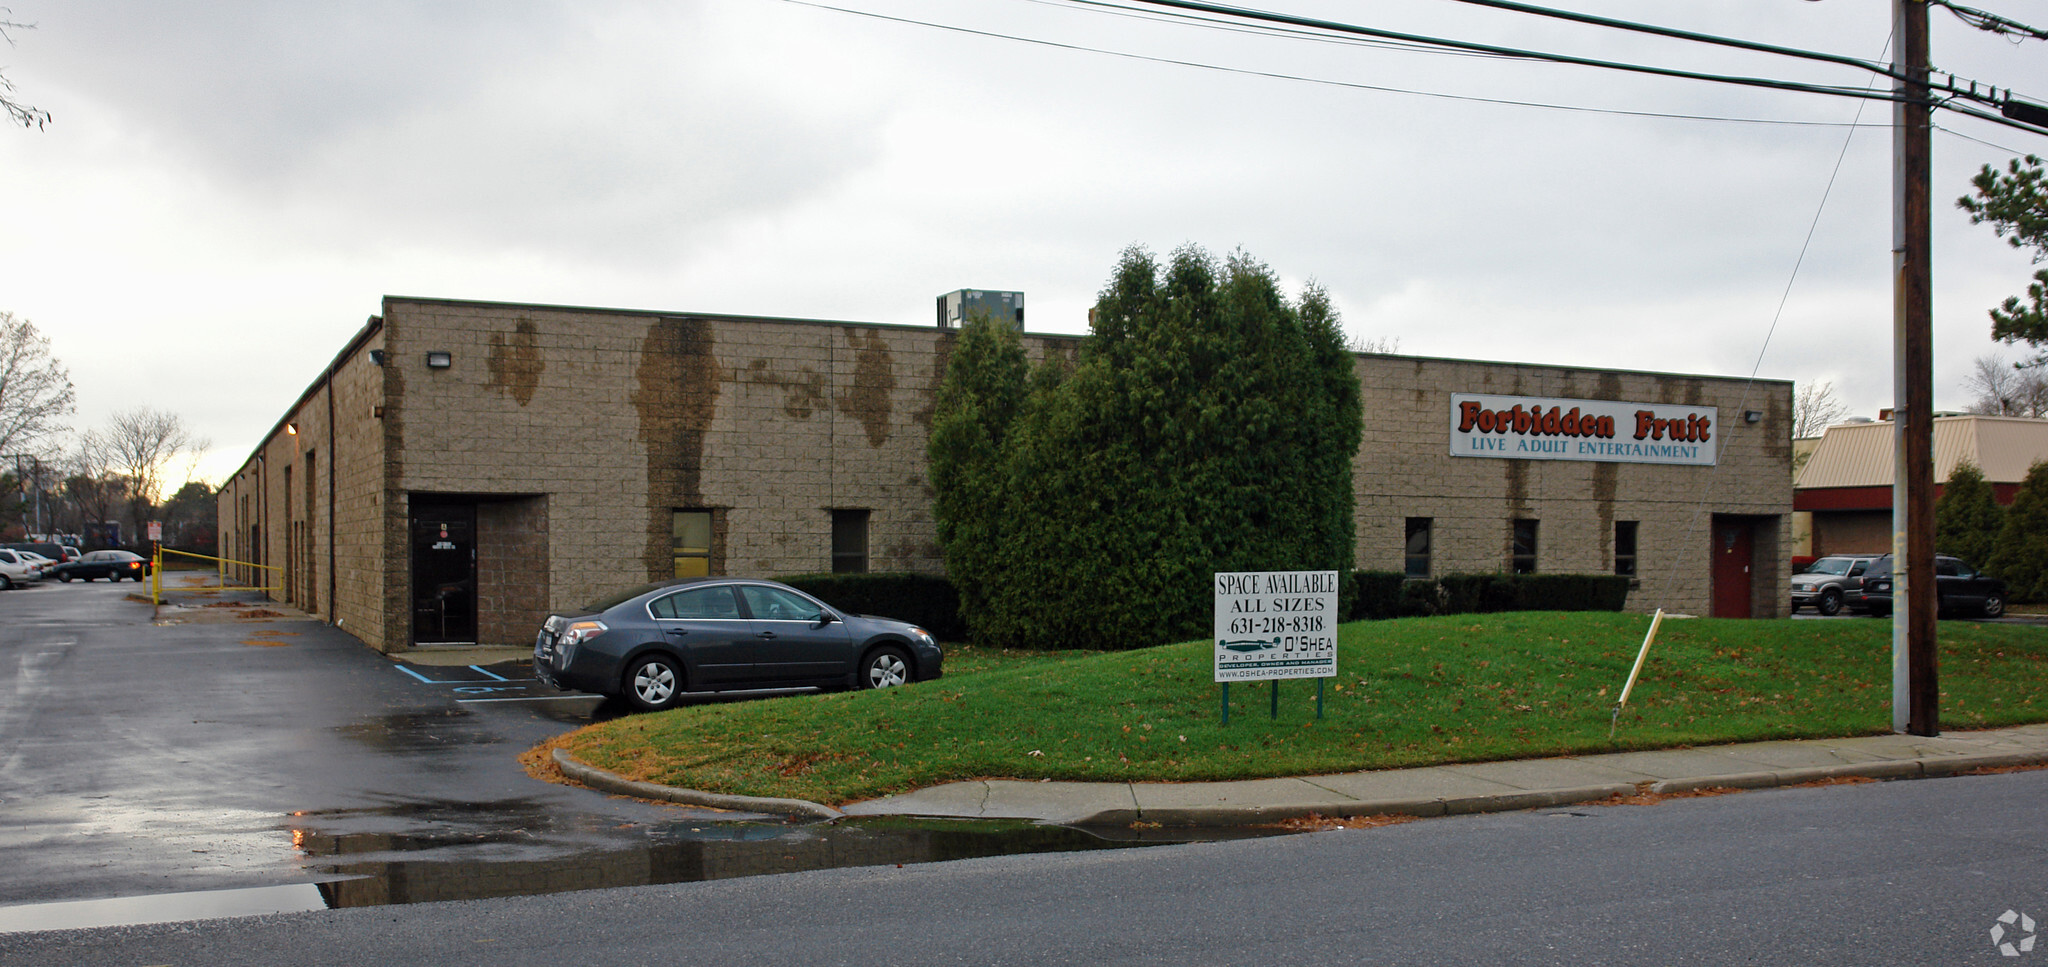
(764, 634)
(678, 632)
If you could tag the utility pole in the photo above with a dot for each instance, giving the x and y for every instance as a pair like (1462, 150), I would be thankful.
(1916, 686)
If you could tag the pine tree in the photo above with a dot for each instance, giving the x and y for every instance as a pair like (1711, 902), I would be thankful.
(1967, 518)
(2020, 555)
(1208, 425)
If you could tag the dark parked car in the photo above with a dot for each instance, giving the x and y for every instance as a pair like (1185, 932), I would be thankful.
(1957, 587)
(1831, 583)
(652, 644)
(112, 565)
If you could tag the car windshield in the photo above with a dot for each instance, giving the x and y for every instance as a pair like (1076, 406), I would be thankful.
(611, 601)
(1830, 565)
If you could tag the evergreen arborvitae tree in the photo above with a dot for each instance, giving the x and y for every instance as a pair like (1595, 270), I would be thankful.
(2020, 555)
(1208, 425)
(984, 386)
(1967, 518)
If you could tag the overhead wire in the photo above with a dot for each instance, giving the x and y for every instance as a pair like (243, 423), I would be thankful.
(1301, 78)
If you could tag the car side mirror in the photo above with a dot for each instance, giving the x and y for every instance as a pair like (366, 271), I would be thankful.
(825, 618)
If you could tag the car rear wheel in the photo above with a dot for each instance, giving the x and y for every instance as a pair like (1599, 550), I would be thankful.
(6, 583)
(885, 667)
(1994, 605)
(66, 578)
(654, 683)
(1830, 603)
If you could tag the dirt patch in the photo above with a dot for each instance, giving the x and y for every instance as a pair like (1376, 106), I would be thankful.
(540, 762)
(263, 613)
(225, 604)
(267, 639)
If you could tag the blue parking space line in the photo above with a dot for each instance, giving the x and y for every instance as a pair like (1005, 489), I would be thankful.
(417, 675)
(483, 672)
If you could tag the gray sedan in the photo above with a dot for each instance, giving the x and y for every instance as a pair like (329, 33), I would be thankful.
(652, 644)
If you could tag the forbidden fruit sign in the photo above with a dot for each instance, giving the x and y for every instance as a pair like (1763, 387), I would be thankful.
(1276, 624)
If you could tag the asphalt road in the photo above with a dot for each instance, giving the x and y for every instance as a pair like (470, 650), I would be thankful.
(142, 759)
(1890, 873)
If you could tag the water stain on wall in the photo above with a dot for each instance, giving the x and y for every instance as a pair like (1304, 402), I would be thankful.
(515, 363)
(676, 398)
(802, 394)
(868, 400)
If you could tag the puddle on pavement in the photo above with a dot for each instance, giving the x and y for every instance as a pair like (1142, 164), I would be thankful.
(466, 862)
(418, 851)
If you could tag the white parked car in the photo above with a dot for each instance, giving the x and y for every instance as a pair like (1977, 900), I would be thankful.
(20, 567)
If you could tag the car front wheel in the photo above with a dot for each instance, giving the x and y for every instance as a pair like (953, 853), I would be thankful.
(66, 578)
(1830, 603)
(1994, 605)
(654, 683)
(885, 667)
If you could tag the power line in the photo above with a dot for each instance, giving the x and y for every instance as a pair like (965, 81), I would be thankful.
(2012, 112)
(1300, 78)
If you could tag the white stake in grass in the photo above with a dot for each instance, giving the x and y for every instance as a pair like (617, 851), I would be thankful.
(1633, 672)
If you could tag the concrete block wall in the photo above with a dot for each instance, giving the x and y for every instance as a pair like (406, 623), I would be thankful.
(1404, 469)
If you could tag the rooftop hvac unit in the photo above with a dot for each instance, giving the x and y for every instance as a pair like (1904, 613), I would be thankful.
(960, 305)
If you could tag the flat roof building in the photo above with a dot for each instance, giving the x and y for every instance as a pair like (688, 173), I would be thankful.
(460, 469)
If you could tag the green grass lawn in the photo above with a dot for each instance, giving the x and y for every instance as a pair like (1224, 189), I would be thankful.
(1411, 692)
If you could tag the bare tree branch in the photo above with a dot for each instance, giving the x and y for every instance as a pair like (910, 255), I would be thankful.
(26, 115)
(35, 389)
(1814, 409)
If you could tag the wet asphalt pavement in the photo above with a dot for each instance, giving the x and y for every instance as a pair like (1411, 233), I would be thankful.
(156, 760)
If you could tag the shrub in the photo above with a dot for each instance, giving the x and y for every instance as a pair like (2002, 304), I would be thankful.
(926, 600)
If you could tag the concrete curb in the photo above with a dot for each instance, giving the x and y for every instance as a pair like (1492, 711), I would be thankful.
(597, 778)
(1932, 767)
(1344, 809)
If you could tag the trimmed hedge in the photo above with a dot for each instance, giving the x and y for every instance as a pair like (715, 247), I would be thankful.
(1388, 594)
(926, 600)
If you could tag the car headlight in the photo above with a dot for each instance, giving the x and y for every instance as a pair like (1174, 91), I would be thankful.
(923, 636)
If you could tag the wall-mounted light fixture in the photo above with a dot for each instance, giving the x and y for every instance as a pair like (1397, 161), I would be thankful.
(439, 360)
(1752, 416)
(376, 357)
(291, 429)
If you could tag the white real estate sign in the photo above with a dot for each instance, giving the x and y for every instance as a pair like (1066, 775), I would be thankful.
(1532, 428)
(1276, 624)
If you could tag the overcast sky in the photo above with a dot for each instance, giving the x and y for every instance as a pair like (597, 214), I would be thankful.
(229, 188)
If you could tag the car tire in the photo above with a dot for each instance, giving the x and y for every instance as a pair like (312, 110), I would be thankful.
(66, 578)
(885, 667)
(653, 683)
(1830, 603)
(6, 583)
(1994, 605)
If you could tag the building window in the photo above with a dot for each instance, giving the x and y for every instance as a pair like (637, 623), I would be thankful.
(1523, 558)
(1418, 547)
(1625, 548)
(691, 541)
(849, 541)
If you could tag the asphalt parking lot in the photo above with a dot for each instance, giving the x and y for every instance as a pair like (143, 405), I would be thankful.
(219, 751)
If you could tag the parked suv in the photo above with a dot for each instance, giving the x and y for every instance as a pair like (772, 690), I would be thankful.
(1957, 587)
(1831, 584)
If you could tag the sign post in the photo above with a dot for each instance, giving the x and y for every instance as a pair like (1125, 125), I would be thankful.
(1271, 625)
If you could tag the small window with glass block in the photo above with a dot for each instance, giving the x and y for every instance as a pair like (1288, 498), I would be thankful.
(1522, 559)
(1418, 546)
(849, 541)
(691, 543)
(1625, 548)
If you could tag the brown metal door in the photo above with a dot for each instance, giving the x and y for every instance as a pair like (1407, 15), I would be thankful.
(1734, 558)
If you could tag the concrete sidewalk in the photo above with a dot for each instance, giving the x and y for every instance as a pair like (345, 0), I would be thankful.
(1429, 791)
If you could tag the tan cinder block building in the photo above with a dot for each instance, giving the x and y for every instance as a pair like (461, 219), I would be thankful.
(460, 469)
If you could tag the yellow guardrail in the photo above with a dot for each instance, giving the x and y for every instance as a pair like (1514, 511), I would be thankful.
(156, 573)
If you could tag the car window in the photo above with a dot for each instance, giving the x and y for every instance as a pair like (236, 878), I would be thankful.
(712, 602)
(8, 556)
(1945, 567)
(1829, 565)
(1860, 567)
(776, 604)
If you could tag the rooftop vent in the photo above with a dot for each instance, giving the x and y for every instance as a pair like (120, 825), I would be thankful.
(960, 305)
